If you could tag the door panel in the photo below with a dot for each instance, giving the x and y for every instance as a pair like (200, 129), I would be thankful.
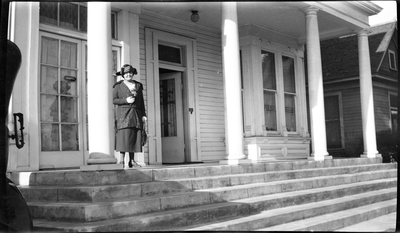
(61, 141)
(171, 114)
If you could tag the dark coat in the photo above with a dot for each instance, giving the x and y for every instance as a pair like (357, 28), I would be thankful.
(128, 115)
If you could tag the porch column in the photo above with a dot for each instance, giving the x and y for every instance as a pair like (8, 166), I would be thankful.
(100, 108)
(316, 90)
(232, 85)
(367, 100)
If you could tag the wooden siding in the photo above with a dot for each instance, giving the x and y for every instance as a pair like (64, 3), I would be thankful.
(210, 80)
(384, 68)
(352, 123)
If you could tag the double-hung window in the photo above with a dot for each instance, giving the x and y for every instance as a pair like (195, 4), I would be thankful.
(279, 92)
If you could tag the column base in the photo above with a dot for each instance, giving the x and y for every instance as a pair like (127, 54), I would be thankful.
(101, 167)
(235, 161)
(371, 155)
(319, 158)
(101, 158)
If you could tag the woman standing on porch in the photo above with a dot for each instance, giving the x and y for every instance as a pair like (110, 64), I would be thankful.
(131, 115)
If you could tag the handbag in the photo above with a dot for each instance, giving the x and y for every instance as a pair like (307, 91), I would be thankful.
(144, 137)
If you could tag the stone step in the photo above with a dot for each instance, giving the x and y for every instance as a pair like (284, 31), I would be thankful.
(92, 193)
(337, 220)
(382, 223)
(146, 174)
(184, 218)
(133, 206)
(286, 218)
(100, 193)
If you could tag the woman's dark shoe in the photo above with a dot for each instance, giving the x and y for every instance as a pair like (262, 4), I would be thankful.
(130, 163)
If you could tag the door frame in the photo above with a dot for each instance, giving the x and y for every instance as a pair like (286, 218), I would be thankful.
(190, 94)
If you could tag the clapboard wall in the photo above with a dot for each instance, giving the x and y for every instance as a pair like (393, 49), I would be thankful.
(210, 80)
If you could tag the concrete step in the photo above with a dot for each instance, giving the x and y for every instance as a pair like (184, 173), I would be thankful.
(243, 218)
(384, 223)
(268, 220)
(338, 220)
(90, 193)
(129, 176)
(114, 209)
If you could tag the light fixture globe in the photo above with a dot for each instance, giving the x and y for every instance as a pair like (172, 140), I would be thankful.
(195, 16)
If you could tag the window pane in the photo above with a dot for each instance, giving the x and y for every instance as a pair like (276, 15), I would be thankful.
(394, 120)
(48, 80)
(48, 12)
(331, 108)
(69, 109)
(69, 15)
(169, 54)
(290, 113)
(115, 64)
(49, 108)
(50, 137)
(268, 70)
(270, 111)
(68, 85)
(49, 51)
(69, 54)
(392, 60)
(69, 137)
(288, 74)
(113, 26)
(333, 137)
(168, 108)
(83, 18)
(393, 101)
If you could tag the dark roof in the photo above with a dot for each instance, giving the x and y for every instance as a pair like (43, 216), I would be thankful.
(340, 55)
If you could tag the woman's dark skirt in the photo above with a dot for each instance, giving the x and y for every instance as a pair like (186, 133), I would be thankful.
(129, 140)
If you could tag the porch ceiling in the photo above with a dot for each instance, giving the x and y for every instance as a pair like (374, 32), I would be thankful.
(335, 19)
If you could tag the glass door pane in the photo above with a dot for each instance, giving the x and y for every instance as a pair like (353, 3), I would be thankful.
(168, 108)
(332, 121)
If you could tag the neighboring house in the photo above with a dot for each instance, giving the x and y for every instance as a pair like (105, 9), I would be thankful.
(229, 87)
(342, 87)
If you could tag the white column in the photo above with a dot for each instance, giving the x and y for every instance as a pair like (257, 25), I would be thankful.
(367, 100)
(316, 91)
(101, 130)
(232, 85)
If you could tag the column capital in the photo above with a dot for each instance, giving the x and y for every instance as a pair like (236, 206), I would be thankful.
(364, 32)
(310, 10)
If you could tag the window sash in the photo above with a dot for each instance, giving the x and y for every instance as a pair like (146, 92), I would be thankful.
(392, 60)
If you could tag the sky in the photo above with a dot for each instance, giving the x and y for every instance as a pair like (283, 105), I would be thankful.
(388, 13)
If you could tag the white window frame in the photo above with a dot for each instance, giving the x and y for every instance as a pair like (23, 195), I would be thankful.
(339, 95)
(392, 64)
(392, 108)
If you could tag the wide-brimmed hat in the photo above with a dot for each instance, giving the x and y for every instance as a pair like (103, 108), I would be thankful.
(126, 69)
